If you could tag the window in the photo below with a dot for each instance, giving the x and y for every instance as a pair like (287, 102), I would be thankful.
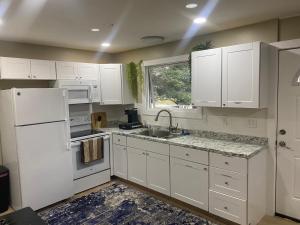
(168, 85)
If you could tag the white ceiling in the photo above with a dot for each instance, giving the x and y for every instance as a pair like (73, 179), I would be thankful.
(67, 23)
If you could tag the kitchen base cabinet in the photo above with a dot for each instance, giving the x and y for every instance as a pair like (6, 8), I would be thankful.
(120, 161)
(228, 207)
(189, 182)
(158, 172)
(137, 166)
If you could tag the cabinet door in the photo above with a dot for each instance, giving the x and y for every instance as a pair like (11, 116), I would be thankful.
(189, 182)
(88, 71)
(158, 172)
(43, 69)
(137, 166)
(66, 71)
(207, 77)
(241, 76)
(111, 84)
(15, 68)
(120, 161)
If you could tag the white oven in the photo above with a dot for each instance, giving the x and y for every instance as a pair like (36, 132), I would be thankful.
(80, 169)
(79, 92)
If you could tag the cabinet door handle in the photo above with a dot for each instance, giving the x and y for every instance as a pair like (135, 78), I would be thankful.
(224, 175)
(237, 102)
(28, 76)
(205, 168)
(227, 163)
(226, 183)
(189, 166)
(225, 207)
(187, 154)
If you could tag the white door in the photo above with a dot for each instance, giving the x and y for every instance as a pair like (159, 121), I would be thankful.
(158, 172)
(137, 166)
(288, 150)
(46, 171)
(240, 76)
(207, 77)
(120, 161)
(66, 71)
(189, 182)
(88, 71)
(15, 68)
(39, 105)
(43, 69)
(111, 84)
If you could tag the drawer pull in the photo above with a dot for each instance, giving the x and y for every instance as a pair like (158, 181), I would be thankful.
(226, 163)
(119, 140)
(225, 207)
(224, 175)
(144, 153)
(205, 169)
(187, 154)
(226, 183)
(189, 166)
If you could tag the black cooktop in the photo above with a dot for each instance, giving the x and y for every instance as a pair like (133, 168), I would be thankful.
(84, 133)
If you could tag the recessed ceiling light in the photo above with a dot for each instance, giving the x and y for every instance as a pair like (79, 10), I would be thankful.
(191, 5)
(105, 44)
(95, 29)
(200, 20)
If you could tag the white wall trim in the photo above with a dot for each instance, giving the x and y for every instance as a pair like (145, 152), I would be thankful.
(168, 60)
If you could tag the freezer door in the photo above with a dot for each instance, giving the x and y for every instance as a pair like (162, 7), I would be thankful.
(40, 105)
(46, 170)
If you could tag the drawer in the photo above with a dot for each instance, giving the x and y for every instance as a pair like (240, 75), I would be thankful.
(230, 208)
(150, 146)
(228, 182)
(231, 163)
(189, 154)
(119, 139)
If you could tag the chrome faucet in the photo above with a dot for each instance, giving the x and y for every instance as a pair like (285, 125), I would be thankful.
(170, 117)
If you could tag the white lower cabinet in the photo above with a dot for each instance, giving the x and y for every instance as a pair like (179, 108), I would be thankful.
(228, 207)
(158, 172)
(120, 161)
(137, 166)
(189, 182)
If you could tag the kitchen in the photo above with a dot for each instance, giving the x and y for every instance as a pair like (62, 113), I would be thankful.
(182, 153)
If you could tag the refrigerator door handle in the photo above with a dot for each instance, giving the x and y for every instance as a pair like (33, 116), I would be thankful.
(67, 122)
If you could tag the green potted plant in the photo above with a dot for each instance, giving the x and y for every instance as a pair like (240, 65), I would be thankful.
(201, 46)
(135, 77)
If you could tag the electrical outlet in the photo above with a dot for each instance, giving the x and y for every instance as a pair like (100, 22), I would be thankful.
(252, 123)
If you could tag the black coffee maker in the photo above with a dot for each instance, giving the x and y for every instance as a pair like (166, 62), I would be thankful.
(133, 120)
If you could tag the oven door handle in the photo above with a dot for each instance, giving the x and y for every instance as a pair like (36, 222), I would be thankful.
(77, 143)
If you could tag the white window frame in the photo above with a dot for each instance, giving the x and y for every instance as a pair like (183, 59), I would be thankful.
(177, 113)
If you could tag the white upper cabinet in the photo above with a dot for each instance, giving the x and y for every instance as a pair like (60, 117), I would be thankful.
(66, 71)
(111, 84)
(206, 77)
(243, 76)
(15, 68)
(21, 69)
(88, 71)
(234, 76)
(42, 69)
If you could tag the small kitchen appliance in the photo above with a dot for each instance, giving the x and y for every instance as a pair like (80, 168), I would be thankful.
(133, 121)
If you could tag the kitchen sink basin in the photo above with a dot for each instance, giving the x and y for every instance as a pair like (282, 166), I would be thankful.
(159, 133)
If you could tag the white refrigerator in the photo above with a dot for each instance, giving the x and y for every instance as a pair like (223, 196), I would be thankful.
(35, 140)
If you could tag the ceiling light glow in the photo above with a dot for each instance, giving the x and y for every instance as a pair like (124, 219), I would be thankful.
(95, 29)
(105, 44)
(191, 5)
(200, 20)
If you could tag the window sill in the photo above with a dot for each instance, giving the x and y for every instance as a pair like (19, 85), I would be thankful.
(177, 113)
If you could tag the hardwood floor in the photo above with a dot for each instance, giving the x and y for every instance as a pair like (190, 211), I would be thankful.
(267, 220)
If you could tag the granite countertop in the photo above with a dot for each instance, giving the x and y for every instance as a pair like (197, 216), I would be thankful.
(232, 147)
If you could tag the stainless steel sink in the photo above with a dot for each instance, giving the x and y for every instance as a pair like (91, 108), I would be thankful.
(158, 132)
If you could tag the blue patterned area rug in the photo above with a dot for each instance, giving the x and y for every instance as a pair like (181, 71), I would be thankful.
(119, 204)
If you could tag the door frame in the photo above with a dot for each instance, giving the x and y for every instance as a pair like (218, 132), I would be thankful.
(282, 46)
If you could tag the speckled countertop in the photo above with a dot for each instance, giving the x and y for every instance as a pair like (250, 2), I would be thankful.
(234, 145)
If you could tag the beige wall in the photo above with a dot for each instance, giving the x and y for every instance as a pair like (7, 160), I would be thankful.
(266, 31)
(289, 28)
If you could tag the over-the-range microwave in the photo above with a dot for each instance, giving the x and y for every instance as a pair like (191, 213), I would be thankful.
(80, 91)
